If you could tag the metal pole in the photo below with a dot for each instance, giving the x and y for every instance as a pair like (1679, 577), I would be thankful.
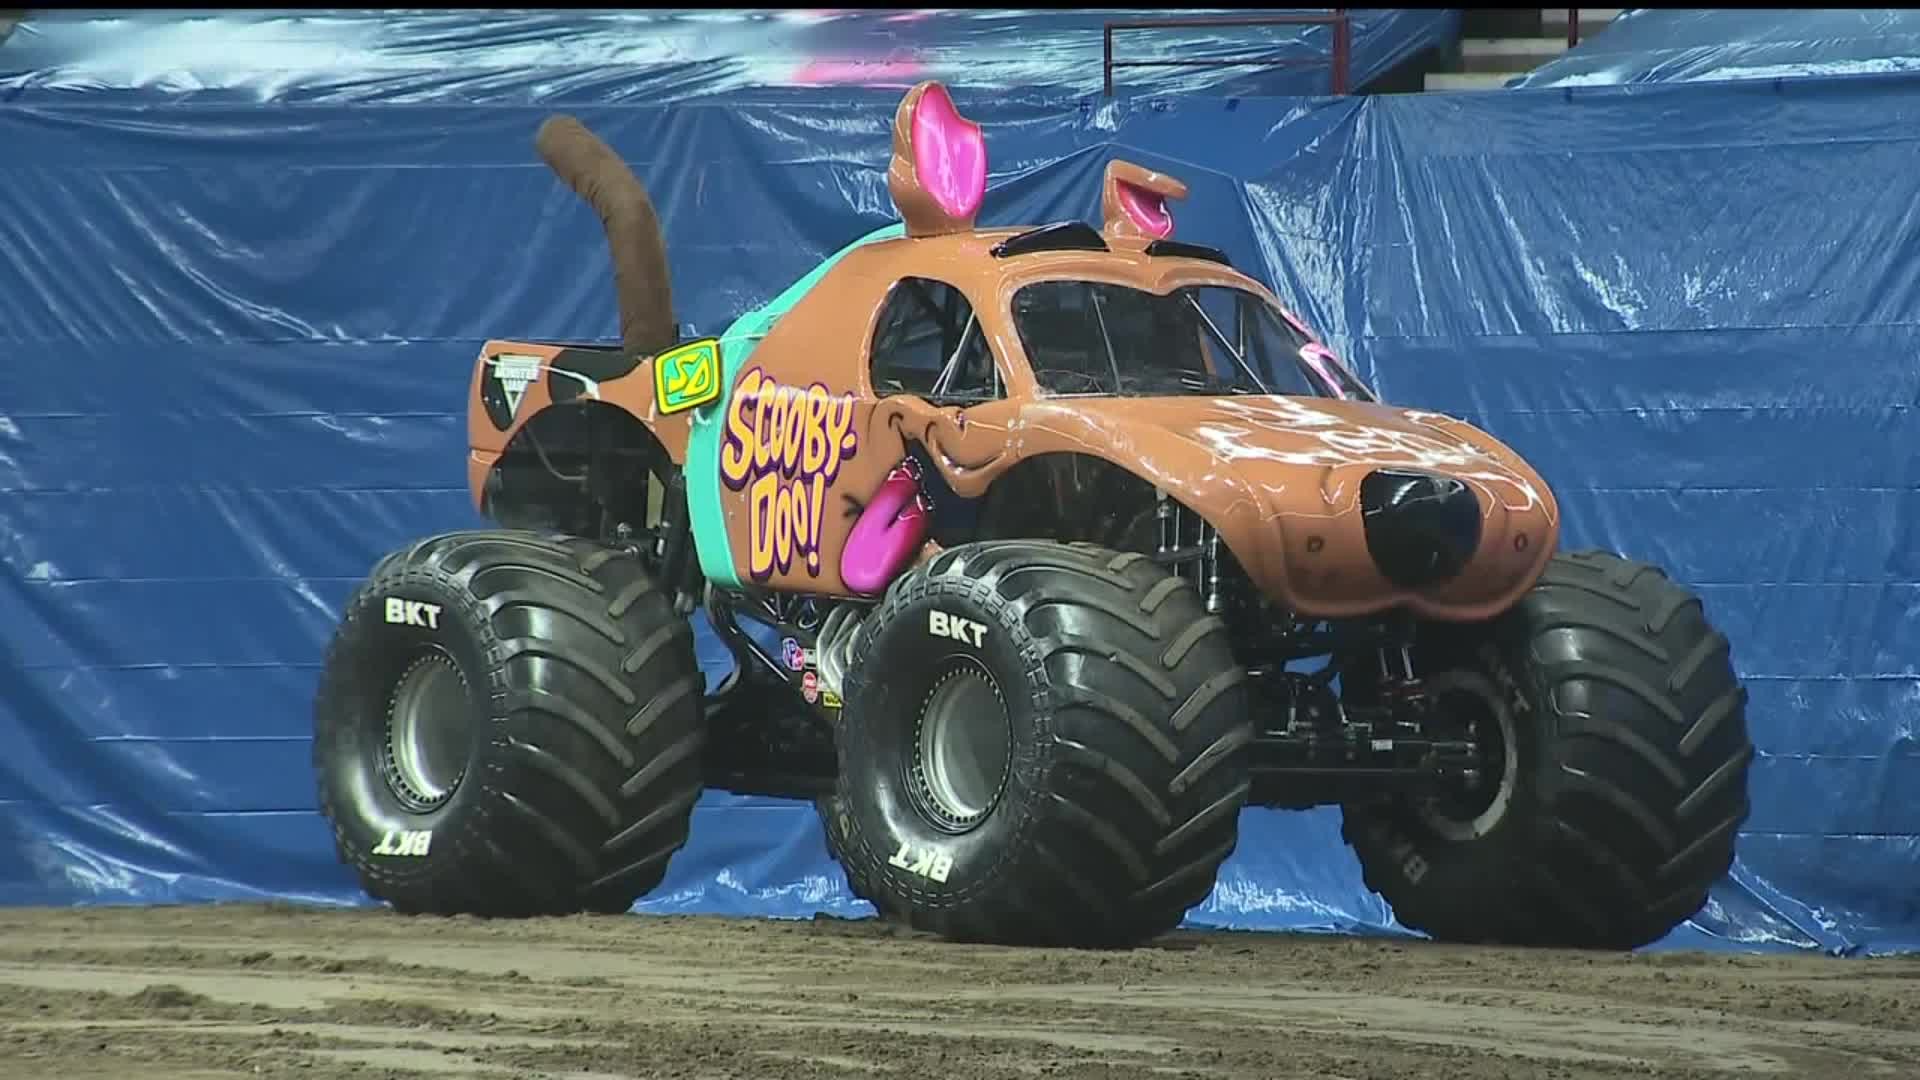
(1108, 76)
(1342, 50)
(1573, 27)
(1341, 60)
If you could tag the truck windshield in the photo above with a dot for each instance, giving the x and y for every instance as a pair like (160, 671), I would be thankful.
(1084, 337)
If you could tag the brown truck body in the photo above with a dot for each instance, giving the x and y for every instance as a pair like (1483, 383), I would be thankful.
(806, 437)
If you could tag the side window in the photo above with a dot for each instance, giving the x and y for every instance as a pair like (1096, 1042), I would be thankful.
(928, 343)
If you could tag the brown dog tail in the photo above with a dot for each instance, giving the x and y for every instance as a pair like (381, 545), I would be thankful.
(640, 279)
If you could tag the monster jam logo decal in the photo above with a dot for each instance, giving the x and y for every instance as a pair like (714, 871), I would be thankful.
(785, 445)
(514, 373)
(687, 376)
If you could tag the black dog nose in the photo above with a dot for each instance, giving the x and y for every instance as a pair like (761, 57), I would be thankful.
(1421, 528)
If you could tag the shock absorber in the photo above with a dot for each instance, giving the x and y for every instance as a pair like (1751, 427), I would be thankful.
(1202, 556)
(833, 646)
(1215, 602)
(1168, 513)
(1401, 687)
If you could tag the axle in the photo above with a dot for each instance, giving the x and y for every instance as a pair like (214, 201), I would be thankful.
(1314, 748)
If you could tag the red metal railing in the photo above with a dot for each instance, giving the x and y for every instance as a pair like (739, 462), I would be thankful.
(1340, 60)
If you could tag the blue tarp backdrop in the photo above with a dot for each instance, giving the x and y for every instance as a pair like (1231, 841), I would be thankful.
(1667, 45)
(240, 335)
(660, 56)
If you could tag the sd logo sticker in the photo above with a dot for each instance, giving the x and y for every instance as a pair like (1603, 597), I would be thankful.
(687, 375)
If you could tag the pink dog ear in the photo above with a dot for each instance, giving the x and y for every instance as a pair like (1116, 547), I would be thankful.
(949, 154)
(1146, 210)
(938, 176)
(1133, 201)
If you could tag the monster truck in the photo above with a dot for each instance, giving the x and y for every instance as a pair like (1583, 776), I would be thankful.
(1042, 553)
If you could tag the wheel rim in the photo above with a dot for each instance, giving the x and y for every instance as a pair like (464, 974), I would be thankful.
(1475, 702)
(963, 749)
(429, 733)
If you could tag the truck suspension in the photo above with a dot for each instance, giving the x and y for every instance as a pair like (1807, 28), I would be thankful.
(1377, 731)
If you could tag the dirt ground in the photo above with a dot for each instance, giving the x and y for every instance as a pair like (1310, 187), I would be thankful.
(211, 993)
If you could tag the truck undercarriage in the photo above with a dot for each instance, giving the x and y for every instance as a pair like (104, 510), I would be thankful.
(1360, 723)
(1313, 747)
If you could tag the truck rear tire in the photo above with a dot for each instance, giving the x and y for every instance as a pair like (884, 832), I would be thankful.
(1041, 744)
(1619, 776)
(509, 725)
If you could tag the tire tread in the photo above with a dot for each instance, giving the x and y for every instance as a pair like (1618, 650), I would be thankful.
(575, 811)
(1637, 809)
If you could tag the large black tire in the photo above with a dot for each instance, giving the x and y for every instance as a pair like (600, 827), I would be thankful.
(1621, 776)
(1126, 732)
(568, 768)
(836, 823)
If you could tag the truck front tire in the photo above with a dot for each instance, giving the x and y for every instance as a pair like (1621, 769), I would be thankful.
(1041, 744)
(509, 724)
(1618, 776)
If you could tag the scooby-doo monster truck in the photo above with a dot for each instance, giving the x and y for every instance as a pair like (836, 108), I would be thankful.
(1020, 538)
